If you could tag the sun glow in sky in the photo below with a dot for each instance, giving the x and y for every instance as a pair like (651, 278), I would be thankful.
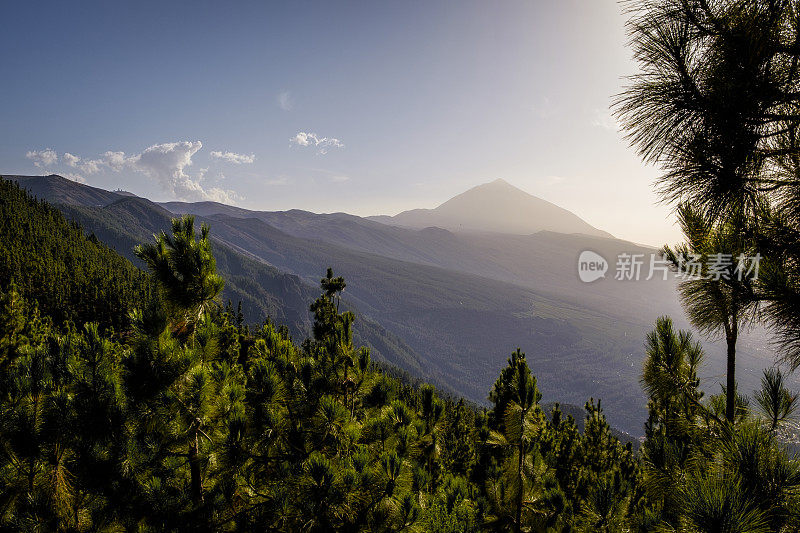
(367, 108)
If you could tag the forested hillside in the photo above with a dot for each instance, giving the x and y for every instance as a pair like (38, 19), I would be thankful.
(191, 419)
(263, 290)
(71, 276)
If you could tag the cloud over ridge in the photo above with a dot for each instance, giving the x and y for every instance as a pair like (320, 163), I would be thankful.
(43, 158)
(166, 163)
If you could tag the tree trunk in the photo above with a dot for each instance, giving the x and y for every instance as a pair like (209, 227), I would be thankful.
(194, 466)
(730, 387)
(519, 480)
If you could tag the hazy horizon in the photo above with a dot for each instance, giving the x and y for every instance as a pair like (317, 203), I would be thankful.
(367, 110)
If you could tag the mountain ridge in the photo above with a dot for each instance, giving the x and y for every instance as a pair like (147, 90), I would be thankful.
(58, 189)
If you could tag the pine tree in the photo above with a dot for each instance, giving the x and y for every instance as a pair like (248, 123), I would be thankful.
(775, 400)
(184, 269)
(516, 493)
(720, 302)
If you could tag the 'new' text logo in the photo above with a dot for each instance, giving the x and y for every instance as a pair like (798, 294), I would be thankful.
(591, 266)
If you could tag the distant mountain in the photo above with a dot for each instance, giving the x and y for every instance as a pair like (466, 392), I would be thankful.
(446, 306)
(497, 207)
(542, 261)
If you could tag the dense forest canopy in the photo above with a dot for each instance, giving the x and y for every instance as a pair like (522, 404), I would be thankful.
(71, 276)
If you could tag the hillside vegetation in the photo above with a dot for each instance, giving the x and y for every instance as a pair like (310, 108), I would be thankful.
(191, 419)
(71, 276)
(262, 290)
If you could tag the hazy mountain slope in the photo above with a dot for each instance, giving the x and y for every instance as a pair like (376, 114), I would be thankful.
(263, 290)
(131, 221)
(465, 326)
(56, 189)
(495, 207)
(126, 220)
(205, 209)
(340, 228)
(545, 261)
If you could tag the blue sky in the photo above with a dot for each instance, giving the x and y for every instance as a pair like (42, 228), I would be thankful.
(364, 107)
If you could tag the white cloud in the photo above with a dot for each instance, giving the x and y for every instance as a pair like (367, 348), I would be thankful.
(71, 160)
(323, 144)
(340, 179)
(301, 139)
(285, 101)
(166, 163)
(223, 196)
(90, 166)
(232, 157)
(87, 166)
(43, 158)
(116, 160)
